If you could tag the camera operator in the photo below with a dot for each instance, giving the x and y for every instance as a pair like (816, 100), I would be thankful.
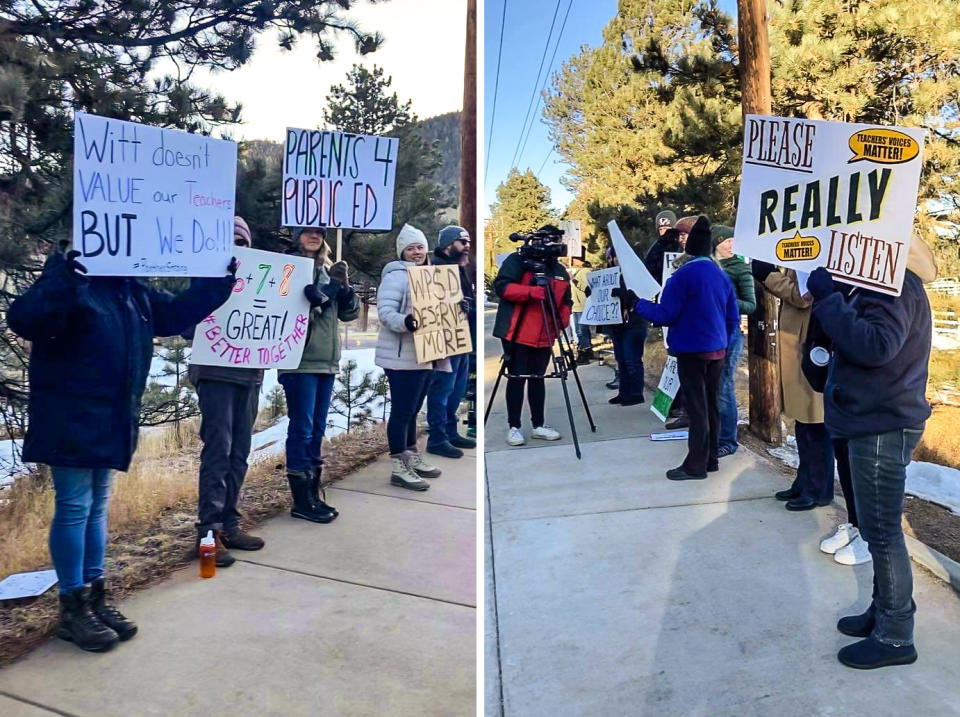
(525, 326)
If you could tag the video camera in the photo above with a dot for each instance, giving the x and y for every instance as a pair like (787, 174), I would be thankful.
(540, 247)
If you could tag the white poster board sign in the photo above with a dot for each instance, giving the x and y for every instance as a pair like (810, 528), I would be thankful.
(666, 390)
(339, 180)
(150, 201)
(264, 322)
(601, 309)
(635, 274)
(831, 194)
(668, 258)
(571, 236)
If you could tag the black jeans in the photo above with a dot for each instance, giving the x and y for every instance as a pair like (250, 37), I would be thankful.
(407, 391)
(628, 342)
(700, 379)
(815, 450)
(878, 466)
(227, 411)
(526, 360)
(841, 452)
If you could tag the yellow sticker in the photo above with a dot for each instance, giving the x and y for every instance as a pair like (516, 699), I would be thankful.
(884, 146)
(798, 248)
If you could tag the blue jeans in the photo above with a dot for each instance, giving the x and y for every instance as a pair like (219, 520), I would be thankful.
(583, 331)
(878, 467)
(308, 402)
(628, 344)
(78, 533)
(728, 393)
(407, 391)
(444, 395)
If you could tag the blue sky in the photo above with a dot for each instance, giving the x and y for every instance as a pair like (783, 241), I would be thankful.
(527, 25)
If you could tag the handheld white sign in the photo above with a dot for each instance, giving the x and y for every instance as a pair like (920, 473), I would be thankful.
(635, 274)
(264, 322)
(338, 180)
(600, 308)
(150, 201)
(830, 194)
(666, 389)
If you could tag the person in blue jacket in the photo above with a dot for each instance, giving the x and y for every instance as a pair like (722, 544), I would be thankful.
(92, 342)
(875, 399)
(699, 305)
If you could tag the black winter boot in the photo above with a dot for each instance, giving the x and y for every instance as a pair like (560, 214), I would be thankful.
(303, 506)
(80, 625)
(858, 625)
(108, 614)
(870, 654)
(318, 494)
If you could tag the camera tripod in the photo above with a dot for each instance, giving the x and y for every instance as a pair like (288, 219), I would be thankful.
(564, 362)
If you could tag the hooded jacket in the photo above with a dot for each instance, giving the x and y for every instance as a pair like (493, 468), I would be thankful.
(92, 342)
(519, 316)
(877, 378)
(321, 354)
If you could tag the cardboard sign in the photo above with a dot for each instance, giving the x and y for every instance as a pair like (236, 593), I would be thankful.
(150, 201)
(635, 274)
(264, 322)
(339, 180)
(571, 237)
(435, 295)
(601, 308)
(830, 194)
(666, 390)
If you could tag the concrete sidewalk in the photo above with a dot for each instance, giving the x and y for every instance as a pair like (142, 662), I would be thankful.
(372, 614)
(617, 592)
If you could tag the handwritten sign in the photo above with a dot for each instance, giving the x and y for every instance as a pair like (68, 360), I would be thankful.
(635, 273)
(338, 179)
(666, 390)
(150, 201)
(601, 308)
(669, 257)
(264, 322)
(831, 194)
(435, 294)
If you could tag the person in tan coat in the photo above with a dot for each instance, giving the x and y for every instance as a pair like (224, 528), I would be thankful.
(813, 485)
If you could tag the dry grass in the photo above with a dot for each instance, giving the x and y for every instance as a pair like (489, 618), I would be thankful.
(941, 440)
(152, 514)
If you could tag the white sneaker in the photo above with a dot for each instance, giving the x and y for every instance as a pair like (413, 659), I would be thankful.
(515, 438)
(845, 533)
(546, 433)
(855, 553)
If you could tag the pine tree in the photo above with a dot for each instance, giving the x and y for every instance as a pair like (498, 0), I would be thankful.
(523, 205)
(381, 390)
(171, 399)
(277, 402)
(353, 395)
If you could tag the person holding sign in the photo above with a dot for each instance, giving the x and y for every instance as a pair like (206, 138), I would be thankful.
(629, 338)
(739, 273)
(875, 398)
(699, 306)
(229, 400)
(447, 388)
(92, 345)
(309, 387)
(397, 355)
(579, 286)
(667, 240)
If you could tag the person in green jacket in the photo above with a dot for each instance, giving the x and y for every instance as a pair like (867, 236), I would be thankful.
(739, 272)
(309, 387)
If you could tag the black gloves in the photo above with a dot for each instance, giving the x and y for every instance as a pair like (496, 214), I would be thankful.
(231, 267)
(587, 290)
(316, 297)
(466, 305)
(761, 270)
(410, 323)
(820, 284)
(627, 294)
(66, 272)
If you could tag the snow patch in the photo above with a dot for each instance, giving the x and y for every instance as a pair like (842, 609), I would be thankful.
(935, 483)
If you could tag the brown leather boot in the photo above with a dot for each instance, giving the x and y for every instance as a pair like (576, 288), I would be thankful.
(238, 540)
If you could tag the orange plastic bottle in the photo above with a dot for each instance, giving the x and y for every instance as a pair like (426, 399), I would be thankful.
(208, 554)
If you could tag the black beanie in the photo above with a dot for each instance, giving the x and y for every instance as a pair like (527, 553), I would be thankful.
(699, 241)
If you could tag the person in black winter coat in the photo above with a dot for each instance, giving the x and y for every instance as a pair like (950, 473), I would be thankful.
(92, 342)
(875, 398)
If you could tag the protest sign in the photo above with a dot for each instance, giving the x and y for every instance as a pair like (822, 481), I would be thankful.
(571, 237)
(635, 274)
(150, 201)
(831, 194)
(264, 322)
(666, 390)
(668, 258)
(601, 308)
(443, 328)
(338, 179)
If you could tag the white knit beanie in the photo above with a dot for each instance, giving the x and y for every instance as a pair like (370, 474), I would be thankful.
(409, 235)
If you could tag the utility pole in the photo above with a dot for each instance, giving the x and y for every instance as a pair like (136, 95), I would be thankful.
(765, 398)
(468, 137)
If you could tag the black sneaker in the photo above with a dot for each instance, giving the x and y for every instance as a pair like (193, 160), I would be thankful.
(674, 424)
(788, 494)
(680, 473)
(635, 401)
(445, 449)
(616, 400)
(459, 441)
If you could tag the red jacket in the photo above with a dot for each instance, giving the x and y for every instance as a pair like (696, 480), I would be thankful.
(519, 317)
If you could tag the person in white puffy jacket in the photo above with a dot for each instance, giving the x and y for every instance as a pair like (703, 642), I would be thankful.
(396, 354)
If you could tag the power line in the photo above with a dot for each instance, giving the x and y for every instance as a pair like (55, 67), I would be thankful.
(546, 78)
(496, 87)
(543, 57)
(540, 171)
